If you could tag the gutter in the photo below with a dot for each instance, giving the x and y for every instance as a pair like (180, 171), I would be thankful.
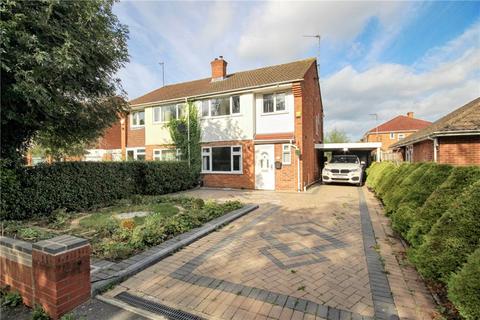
(211, 94)
(438, 134)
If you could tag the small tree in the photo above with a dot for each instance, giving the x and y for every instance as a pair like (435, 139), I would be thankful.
(186, 135)
(336, 136)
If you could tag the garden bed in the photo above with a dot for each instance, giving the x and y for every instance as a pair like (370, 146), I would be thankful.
(126, 228)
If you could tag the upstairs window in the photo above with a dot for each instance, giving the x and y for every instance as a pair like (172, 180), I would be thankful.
(169, 112)
(392, 136)
(274, 102)
(138, 118)
(222, 106)
(401, 136)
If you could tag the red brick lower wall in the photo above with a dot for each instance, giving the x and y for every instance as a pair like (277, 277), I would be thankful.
(286, 177)
(228, 180)
(460, 150)
(423, 151)
(16, 273)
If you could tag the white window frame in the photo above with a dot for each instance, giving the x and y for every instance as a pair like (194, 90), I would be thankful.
(207, 151)
(209, 101)
(136, 153)
(401, 136)
(286, 149)
(392, 135)
(136, 115)
(275, 111)
(177, 156)
(161, 120)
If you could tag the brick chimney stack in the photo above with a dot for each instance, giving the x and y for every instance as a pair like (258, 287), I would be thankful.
(410, 114)
(219, 69)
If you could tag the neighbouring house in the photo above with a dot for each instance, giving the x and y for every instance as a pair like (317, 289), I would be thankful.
(393, 131)
(453, 139)
(259, 127)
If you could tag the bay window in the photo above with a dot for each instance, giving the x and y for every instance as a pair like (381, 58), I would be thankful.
(274, 102)
(222, 159)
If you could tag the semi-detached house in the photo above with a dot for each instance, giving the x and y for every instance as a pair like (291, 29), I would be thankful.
(259, 127)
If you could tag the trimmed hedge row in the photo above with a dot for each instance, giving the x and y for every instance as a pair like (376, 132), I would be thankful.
(436, 209)
(74, 186)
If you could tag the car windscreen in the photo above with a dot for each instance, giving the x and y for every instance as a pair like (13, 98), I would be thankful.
(344, 159)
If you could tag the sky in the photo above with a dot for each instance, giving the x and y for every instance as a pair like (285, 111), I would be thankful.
(384, 58)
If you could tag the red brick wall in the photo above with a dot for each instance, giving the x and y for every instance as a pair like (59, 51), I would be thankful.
(460, 150)
(112, 138)
(285, 178)
(308, 102)
(135, 136)
(239, 181)
(423, 151)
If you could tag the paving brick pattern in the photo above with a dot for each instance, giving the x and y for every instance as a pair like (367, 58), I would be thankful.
(299, 256)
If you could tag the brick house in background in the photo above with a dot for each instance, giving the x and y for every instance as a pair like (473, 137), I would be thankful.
(453, 139)
(259, 127)
(394, 130)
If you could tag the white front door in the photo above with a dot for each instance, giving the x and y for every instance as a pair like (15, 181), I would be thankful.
(265, 167)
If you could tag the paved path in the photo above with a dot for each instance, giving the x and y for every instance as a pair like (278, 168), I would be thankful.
(299, 256)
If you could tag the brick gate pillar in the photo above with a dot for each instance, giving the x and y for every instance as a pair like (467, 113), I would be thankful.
(61, 273)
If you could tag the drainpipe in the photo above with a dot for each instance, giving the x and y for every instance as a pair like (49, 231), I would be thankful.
(435, 149)
(299, 189)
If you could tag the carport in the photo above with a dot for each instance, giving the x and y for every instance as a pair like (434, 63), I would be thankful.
(362, 149)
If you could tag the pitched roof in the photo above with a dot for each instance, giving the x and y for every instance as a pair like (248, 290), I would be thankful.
(401, 123)
(465, 119)
(235, 81)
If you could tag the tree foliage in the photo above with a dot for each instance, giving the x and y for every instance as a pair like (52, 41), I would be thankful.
(186, 135)
(336, 136)
(58, 65)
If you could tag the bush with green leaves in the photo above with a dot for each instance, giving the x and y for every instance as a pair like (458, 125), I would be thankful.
(393, 178)
(464, 288)
(376, 172)
(452, 238)
(10, 298)
(438, 202)
(416, 195)
(393, 198)
(76, 186)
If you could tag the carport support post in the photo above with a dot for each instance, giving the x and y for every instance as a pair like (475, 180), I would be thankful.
(378, 155)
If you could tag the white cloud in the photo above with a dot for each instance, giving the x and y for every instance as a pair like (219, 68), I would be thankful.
(276, 29)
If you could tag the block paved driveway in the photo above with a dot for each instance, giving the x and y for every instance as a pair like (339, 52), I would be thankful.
(299, 256)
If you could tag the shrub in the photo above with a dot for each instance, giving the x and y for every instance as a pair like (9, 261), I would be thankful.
(393, 198)
(416, 195)
(375, 173)
(453, 237)
(75, 186)
(464, 288)
(10, 298)
(439, 200)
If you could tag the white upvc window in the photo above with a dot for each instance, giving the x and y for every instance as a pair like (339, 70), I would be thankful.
(274, 102)
(166, 113)
(392, 136)
(286, 154)
(221, 106)
(225, 159)
(135, 153)
(137, 119)
(167, 154)
(401, 136)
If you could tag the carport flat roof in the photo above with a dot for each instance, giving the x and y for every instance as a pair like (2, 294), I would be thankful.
(349, 146)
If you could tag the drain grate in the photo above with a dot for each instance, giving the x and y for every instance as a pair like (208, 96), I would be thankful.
(160, 309)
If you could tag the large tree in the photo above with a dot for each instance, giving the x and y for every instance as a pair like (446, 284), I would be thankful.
(59, 61)
(336, 136)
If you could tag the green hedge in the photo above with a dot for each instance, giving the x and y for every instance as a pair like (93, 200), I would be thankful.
(375, 173)
(74, 186)
(452, 238)
(439, 201)
(405, 215)
(464, 288)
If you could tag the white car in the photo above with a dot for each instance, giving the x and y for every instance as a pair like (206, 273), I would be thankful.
(343, 168)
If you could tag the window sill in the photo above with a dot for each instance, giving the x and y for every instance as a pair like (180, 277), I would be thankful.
(136, 127)
(222, 172)
(222, 117)
(273, 113)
